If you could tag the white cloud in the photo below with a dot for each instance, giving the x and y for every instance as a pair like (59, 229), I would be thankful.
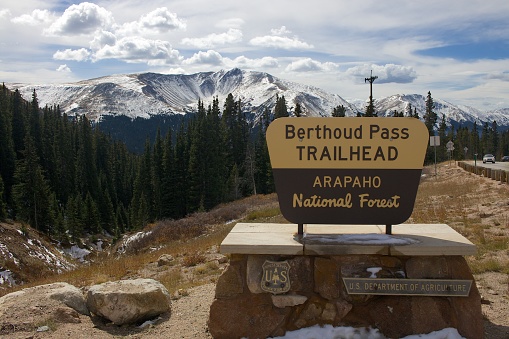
(102, 39)
(209, 57)
(4, 13)
(160, 20)
(274, 41)
(63, 68)
(386, 74)
(36, 18)
(310, 65)
(233, 35)
(280, 31)
(265, 62)
(84, 18)
(141, 50)
(81, 54)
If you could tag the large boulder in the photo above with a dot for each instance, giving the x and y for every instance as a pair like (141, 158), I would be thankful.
(25, 309)
(129, 301)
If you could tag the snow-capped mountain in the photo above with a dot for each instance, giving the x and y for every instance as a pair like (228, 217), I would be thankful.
(150, 94)
(454, 114)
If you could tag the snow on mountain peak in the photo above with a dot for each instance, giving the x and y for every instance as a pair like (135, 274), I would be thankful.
(148, 94)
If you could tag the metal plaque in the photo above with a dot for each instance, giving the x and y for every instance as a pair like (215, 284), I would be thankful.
(408, 287)
(276, 278)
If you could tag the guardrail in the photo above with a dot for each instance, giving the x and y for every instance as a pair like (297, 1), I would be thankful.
(495, 174)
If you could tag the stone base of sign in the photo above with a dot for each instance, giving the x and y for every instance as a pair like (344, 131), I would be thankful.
(320, 260)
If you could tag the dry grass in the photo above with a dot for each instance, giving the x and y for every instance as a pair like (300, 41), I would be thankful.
(476, 207)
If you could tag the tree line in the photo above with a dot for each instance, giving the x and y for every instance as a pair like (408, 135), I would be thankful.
(64, 177)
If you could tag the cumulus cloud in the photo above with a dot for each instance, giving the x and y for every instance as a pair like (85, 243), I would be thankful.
(310, 65)
(233, 35)
(138, 49)
(386, 74)
(160, 20)
(102, 39)
(84, 18)
(36, 18)
(81, 54)
(63, 68)
(209, 57)
(280, 31)
(283, 42)
(265, 62)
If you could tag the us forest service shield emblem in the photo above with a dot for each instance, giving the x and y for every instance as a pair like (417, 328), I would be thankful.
(276, 278)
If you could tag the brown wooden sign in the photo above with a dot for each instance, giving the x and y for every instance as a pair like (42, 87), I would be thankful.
(347, 170)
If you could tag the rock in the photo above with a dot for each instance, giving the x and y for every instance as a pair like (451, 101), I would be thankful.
(327, 282)
(129, 301)
(61, 292)
(230, 283)
(30, 307)
(66, 315)
(165, 260)
(282, 301)
(258, 318)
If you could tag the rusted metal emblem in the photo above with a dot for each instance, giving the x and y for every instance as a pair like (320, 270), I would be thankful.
(276, 277)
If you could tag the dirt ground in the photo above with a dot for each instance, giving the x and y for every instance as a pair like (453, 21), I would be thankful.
(189, 314)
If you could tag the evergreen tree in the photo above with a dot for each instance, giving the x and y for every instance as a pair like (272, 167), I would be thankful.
(3, 205)
(7, 153)
(430, 117)
(31, 191)
(197, 158)
(157, 173)
(169, 182)
(339, 111)
(298, 110)
(215, 168)
(181, 171)
(280, 109)
(370, 108)
(143, 191)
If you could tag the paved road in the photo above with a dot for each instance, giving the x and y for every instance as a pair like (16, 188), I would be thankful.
(497, 165)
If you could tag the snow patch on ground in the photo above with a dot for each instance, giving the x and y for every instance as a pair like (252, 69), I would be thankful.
(77, 253)
(328, 331)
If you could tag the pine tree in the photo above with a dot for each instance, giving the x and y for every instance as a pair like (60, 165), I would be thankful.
(280, 109)
(31, 191)
(169, 182)
(339, 111)
(370, 108)
(3, 205)
(7, 153)
(157, 173)
(430, 117)
(298, 110)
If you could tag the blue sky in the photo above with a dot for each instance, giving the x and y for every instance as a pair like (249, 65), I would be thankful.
(456, 49)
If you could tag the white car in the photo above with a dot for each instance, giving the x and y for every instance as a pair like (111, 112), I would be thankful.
(488, 158)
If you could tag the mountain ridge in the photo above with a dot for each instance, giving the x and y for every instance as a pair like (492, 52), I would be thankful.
(148, 94)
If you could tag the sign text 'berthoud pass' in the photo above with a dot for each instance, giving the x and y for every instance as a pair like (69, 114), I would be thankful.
(347, 170)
